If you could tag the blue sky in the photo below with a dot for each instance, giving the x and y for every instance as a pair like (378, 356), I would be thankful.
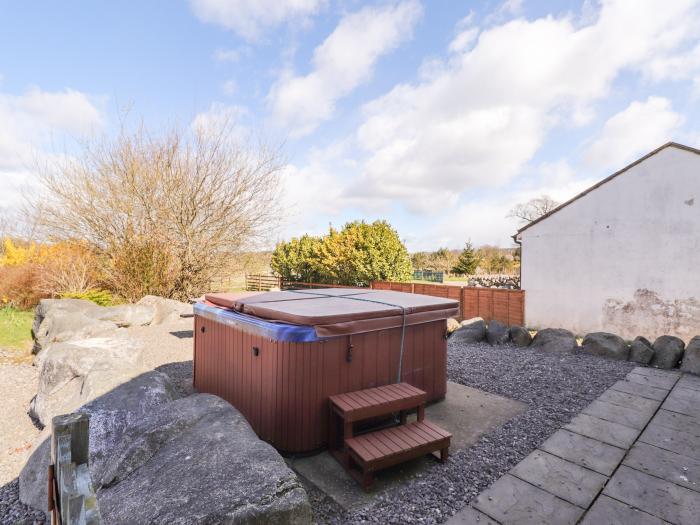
(438, 116)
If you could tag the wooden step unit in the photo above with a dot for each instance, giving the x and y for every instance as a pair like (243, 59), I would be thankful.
(365, 454)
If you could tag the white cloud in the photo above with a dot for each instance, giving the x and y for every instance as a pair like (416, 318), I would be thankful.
(483, 115)
(639, 128)
(249, 18)
(31, 124)
(342, 62)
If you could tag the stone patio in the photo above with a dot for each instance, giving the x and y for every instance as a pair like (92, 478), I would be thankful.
(632, 457)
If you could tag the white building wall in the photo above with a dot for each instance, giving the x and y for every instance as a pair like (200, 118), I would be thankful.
(624, 258)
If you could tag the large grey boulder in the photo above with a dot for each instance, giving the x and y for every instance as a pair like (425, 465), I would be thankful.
(641, 350)
(109, 416)
(60, 325)
(520, 336)
(497, 333)
(668, 351)
(691, 357)
(556, 340)
(471, 331)
(125, 315)
(48, 306)
(166, 310)
(76, 372)
(196, 460)
(606, 345)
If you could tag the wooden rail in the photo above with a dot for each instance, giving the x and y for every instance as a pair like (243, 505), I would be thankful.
(291, 285)
(256, 282)
(72, 500)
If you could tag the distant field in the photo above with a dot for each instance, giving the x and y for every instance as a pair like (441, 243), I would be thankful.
(15, 329)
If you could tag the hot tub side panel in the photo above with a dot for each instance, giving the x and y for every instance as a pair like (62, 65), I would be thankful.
(283, 390)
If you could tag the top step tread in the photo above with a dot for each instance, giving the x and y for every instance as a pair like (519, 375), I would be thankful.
(378, 400)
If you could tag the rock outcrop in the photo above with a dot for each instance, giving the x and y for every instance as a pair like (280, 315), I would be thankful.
(520, 336)
(557, 340)
(471, 331)
(497, 333)
(691, 357)
(668, 351)
(606, 345)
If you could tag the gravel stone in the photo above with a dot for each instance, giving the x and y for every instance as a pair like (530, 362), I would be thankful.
(555, 386)
(12, 511)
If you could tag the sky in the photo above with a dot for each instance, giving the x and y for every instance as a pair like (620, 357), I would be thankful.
(438, 116)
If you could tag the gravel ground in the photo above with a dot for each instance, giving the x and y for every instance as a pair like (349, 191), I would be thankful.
(17, 432)
(555, 387)
(18, 380)
(167, 348)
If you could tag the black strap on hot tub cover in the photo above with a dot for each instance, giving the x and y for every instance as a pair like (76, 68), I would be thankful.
(356, 298)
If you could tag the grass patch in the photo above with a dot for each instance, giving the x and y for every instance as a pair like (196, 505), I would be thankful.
(16, 329)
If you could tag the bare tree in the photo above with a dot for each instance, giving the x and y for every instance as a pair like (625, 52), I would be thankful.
(533, 209)
(165, 213)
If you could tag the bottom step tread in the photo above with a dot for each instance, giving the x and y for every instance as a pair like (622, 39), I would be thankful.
(395, 441)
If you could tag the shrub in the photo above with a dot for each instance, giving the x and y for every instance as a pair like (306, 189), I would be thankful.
(19, 286)
(101, 297)
(356, 255)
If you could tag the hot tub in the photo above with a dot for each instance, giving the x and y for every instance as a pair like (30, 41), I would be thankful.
(278, 356)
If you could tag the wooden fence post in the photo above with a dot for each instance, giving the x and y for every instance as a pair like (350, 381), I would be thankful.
(72, 499)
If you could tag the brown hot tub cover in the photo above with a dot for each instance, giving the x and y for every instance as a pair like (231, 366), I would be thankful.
(339, 311)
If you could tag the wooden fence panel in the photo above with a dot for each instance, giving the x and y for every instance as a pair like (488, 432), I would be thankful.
(469, 303)
(393, 286)
(504, 305)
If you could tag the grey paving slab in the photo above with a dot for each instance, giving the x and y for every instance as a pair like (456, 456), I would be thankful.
(677, 422)
(674, 440)
(471, 516)
(584, 451)
(513, 501)
(665, 382)
(606, 431)
(689, 381)
(655, 496)
(661, 463)
(608, 511)
(656, 372)
(618, 414)
(684, 401)
(629, 400)
(639, 389)
(562, 478)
